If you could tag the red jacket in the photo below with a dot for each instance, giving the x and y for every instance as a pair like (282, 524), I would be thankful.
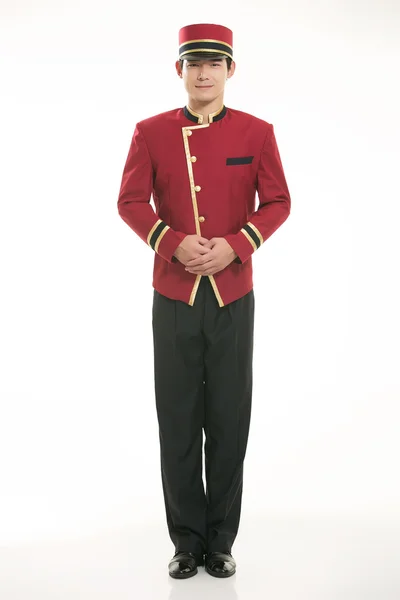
(203, 178)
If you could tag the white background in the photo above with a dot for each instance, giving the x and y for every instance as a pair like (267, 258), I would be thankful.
(79, 449)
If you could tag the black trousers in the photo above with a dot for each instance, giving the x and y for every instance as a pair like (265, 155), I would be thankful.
(203, 358)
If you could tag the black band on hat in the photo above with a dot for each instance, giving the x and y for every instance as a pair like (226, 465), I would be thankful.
(203, 55)
(200, 46)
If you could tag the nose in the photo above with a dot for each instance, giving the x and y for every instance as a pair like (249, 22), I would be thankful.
(202, 72)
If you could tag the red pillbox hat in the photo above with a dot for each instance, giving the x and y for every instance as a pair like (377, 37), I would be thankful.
(205, 40)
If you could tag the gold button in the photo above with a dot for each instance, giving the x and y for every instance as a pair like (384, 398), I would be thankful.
(193, 158)
(189, 132)
(201, 219)
(197, 188)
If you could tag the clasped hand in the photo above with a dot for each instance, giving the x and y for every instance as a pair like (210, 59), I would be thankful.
(217, 255)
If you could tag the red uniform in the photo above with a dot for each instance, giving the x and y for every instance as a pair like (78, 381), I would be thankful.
(203, 177)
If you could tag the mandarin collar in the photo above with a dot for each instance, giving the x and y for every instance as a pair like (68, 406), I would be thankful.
(197, 118)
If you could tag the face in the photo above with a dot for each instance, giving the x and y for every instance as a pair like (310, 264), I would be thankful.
(205, 80)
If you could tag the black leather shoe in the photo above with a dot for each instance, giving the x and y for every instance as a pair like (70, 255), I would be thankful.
(184, 565)
(220, 564)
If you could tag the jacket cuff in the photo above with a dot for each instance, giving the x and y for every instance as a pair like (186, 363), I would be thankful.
(165, 240)
(245, 242)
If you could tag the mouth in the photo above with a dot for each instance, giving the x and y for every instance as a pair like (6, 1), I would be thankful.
(203, 87)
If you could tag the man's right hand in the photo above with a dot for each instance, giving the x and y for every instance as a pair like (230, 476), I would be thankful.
(192, 246)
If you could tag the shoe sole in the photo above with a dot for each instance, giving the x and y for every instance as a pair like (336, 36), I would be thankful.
(217, 574)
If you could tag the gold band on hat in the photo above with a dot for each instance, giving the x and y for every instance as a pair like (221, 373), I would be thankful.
(214, 47)
(195, 50)
(217, 41)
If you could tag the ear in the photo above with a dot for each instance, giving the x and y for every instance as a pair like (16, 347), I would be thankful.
(178, 68)
(231, 70)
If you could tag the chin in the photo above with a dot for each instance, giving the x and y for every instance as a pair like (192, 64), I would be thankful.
(209, 96)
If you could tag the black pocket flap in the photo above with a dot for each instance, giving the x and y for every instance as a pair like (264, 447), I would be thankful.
(239, 160)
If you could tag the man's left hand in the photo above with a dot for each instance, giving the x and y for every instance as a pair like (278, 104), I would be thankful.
(220, 256)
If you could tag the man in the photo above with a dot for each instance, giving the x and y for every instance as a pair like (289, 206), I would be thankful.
(203, 164)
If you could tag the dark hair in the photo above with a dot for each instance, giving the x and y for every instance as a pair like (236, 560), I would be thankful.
(227, 58)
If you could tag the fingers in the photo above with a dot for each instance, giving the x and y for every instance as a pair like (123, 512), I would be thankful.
(203, 268)
(195, 262)
(207, 272)
(204, 248)
(205, 257)
(207, 243)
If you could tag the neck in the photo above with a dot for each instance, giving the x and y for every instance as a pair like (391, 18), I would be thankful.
(205, 108)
